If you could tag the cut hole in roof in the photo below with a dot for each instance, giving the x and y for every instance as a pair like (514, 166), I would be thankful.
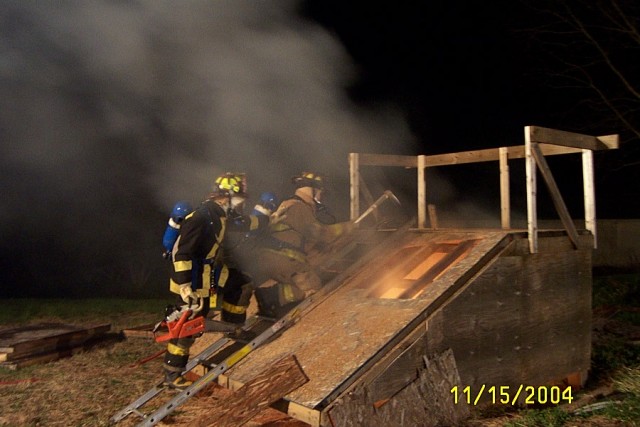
(408, 271)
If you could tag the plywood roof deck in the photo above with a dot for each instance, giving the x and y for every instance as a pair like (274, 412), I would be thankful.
(353, 326)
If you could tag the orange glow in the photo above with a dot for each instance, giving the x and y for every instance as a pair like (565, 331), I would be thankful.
(425, 265)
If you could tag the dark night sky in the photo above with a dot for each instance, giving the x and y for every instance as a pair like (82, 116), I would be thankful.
(111, 111)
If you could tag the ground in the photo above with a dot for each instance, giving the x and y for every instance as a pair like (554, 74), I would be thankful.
(88, 388)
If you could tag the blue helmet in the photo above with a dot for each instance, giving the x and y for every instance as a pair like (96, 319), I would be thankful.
(269, 201)
(180, 211)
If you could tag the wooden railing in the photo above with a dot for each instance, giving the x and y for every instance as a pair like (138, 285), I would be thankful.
(539, 142)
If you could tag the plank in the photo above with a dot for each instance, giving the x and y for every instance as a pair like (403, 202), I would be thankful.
(281, 378)
(54, 355)
(571, 139)
(43, 337)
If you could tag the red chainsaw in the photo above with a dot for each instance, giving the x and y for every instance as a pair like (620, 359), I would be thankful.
(180, 322)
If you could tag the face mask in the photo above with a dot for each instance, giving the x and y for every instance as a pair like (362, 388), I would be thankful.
(236, 202)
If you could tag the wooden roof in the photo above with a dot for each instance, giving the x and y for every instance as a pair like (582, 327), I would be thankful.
(374, 309)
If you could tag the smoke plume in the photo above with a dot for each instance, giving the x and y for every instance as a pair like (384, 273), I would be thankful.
(110, 111)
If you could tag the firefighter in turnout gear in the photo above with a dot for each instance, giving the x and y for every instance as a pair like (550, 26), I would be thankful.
(195, 255)
(284, 275)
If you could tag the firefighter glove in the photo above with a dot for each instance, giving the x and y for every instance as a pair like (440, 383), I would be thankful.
(187, 295)
(278, 216)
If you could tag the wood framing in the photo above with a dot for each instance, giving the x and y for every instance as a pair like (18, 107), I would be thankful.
(555, 194)
(573, 140)
(422, 193)
(588, 182)
(505, 200)
(539, 142)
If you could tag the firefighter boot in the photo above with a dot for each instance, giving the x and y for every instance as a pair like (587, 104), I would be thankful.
(267, 299)
(175, 380)
(175, 361)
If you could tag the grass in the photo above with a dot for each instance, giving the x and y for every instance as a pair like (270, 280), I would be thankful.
(17, 311)
(88, 388)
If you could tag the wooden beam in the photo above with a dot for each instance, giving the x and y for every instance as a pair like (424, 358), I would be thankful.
(555, 195)
(575, 140)
(532, 215)
(505, 203)
(588, 182)
(493, 154)
(422, 194)
(388, 160)
(354, 179)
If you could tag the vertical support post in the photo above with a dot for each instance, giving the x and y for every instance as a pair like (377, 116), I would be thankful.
(505, 201)
(354, 189)
(588, 182)
(433, 216)
(422, 193)
(530, 167)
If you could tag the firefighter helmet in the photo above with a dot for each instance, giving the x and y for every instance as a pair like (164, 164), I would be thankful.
(309, 179)
(230, 185)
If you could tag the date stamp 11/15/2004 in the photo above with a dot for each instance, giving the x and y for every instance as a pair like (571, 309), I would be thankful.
(506, 395)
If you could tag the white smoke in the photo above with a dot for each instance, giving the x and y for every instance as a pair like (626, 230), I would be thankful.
(106, 104)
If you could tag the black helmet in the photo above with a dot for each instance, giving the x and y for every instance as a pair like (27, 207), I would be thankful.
(309, 179)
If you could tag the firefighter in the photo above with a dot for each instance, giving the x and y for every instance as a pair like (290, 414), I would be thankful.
(239, 254)
(196, 253)
(285, 276)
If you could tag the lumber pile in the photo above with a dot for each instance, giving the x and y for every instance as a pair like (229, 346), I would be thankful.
(45, 342)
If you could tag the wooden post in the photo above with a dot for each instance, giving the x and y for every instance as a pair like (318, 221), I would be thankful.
(433, 216)
(530, 166)
(505, 202)
(422, 194)
(354, 178)
(588, 182)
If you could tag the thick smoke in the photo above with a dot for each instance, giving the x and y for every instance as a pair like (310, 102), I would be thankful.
(110, 111)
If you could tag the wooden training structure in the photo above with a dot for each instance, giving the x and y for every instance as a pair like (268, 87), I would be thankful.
(432, 309)
(46, 342)
(539, 142)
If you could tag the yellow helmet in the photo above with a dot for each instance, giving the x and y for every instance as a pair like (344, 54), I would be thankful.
(309, 179)
(230, 184)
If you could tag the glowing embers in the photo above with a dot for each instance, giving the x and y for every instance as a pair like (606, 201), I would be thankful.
(408, 271)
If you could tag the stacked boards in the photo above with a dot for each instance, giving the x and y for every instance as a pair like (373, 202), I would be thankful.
(40, 343)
